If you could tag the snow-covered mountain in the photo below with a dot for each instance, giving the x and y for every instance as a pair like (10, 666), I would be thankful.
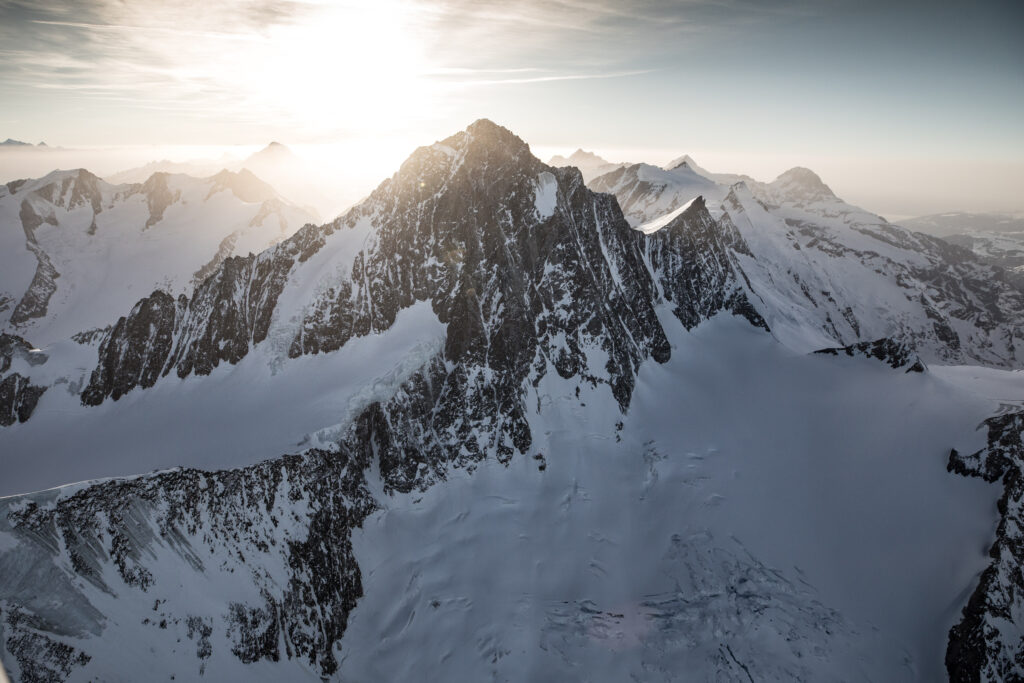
(647, 192)
(824, 273)
(590, 165)
(298, 181)
(78, 252)
(480, 427)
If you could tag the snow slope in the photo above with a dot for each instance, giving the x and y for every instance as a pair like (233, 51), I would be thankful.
(800, 533)
(746, 516)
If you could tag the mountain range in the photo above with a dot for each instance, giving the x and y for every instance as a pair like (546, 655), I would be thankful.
(276, 164)
(502, 420)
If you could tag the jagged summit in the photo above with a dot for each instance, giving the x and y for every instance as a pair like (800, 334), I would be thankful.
(484, 146)
(486, 132)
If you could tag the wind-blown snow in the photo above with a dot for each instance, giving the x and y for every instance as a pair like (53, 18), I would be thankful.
(659, 223)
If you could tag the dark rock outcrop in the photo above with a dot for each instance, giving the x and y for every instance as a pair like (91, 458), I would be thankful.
(34, 302)
(18, 396)
(18, 399)
(988, 643)
(895, 354)
(693, 258)
(295, 513)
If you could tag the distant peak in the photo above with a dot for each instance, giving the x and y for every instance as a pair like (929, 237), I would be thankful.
(244, 184)
(684, 161)
(276, 147)
(803, 183)
(581, 159)
(802, 175)
(275, 151)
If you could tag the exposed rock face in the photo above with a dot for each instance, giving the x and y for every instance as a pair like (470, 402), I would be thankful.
(18, 398)
(281, 529)
(34, 302)
(14, 347)
(694, 263)
(522, 291)
(987, 645)
(891, 352)
(158, 197)
(134, 351)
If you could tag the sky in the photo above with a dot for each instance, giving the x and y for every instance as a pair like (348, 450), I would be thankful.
(904, 108)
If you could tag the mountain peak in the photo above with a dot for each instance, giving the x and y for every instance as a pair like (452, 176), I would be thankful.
(481, 138)
(486, 132)
(802, 183)
(244, 184)
(580, 159)
(685, 160)
(275, 150)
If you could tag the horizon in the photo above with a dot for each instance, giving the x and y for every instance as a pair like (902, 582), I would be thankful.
(904, 111)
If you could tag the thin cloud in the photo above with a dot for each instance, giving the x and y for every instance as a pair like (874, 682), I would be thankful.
(546, 79)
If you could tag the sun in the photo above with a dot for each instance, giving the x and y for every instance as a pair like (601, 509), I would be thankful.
(348, 66)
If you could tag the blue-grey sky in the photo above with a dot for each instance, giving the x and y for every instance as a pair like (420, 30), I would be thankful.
(903, 107)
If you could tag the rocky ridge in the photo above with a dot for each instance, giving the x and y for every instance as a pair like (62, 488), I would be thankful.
(986, 645)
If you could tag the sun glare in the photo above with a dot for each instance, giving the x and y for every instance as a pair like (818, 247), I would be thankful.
(350, 66)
